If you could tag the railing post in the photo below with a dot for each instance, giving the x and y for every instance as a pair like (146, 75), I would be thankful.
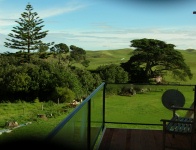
(194, 108)
(89, 126)
(104, 90)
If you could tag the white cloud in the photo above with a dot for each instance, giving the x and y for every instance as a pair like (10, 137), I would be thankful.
(7, 22)
(120, 38)
(94, 39)
(69, 7)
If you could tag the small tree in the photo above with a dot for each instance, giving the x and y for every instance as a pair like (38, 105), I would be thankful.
(27, 36)
(59, 49)
(78, 55)
(42, 51)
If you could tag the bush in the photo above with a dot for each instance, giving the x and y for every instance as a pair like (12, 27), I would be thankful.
(63, 94)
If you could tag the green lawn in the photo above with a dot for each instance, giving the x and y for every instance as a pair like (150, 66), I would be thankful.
(23, 113)
(145, 107)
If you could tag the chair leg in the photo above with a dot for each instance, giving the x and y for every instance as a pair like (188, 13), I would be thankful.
(192, 142)
(164, 136)
(173, 135)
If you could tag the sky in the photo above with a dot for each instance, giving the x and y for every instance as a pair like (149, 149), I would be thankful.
(106, 24)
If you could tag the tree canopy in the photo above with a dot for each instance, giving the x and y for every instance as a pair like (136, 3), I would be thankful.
(112, 73)
(78, 55)
(59, 49)
(152, 58)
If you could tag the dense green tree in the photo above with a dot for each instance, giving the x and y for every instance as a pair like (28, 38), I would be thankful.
(18, 82)
(112, 73)
(88, 80)
(85, 63)
(152, 58)
(58, 50)
(78, 55)
(38, 78)
(28, 34)
(97, 79)
(42, 50)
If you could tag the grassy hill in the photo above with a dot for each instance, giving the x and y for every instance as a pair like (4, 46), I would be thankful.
(106, 57)
(190, 59)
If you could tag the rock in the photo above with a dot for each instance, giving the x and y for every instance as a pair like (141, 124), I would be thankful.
(11, 124)
(43, 116)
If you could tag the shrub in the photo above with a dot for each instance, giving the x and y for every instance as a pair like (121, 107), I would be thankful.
(63, 94)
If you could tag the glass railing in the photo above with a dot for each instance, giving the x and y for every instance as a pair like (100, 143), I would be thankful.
(81, 128)
(121, 106)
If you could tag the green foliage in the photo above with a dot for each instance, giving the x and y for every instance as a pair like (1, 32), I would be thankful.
(36, 79)
(112, 73)
(85, 63)
(40, 77)
(77, 54)
(18, 82)
(42, 50)
(152, 58)
(63, 94)
(58, 50)
(36, 100)
(113, 90)
(88, 80)
(65, 77)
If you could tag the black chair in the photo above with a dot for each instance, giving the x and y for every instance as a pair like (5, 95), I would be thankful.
(179, 125)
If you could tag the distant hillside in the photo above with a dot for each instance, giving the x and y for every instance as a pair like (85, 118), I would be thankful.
(105, 57)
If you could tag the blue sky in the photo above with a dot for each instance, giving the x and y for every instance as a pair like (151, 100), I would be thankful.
(106, 24)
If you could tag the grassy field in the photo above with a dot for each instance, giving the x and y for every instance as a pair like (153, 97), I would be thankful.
(118, 108)
(146, 108)
(27, 116)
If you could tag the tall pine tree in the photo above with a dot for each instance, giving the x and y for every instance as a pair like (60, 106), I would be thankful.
(27, 35)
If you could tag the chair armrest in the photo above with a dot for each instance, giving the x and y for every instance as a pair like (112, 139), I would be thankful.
(174, 121)
(174, 108)
(181, 108)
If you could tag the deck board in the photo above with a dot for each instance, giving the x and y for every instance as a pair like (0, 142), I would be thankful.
(139, 139)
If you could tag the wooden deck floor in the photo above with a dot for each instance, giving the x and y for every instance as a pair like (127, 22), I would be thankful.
(139, 139)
